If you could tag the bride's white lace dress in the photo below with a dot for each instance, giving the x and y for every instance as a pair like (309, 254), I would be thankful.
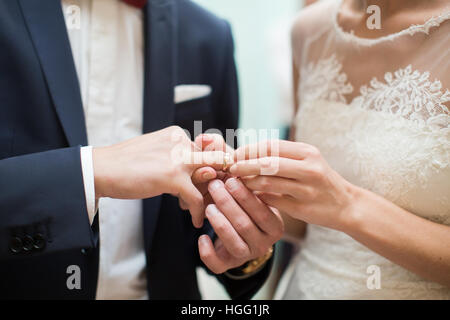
(378, 109)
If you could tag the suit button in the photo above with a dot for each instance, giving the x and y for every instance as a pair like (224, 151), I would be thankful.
(15, 245)
(28, 243)
(39, 241)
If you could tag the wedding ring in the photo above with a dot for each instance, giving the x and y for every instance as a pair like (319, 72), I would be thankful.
(226, 161)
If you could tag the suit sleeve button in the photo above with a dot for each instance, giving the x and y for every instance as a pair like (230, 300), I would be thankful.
(28, 243)
(39, 242)
(16, 245)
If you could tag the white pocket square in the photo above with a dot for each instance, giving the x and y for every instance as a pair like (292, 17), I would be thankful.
(187, 92)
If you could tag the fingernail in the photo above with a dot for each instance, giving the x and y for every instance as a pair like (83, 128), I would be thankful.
(232, 184)
(203, 240)
(233, 169)
(211, 210)
(208, 176)
(216, 184)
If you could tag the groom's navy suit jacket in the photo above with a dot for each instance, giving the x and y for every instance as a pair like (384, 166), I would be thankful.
(44, 225)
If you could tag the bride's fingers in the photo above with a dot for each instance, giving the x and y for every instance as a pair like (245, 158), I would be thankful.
(269, 166)
(283, 203)
(275, 148)
(277, 185)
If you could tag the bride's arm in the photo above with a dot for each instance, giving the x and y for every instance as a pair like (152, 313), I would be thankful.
(406, 239)
(294, 229)
(308, 189)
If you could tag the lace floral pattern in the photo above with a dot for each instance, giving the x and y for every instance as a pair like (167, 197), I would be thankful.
(407, 93)
(410, 94)
(396, 134)
(324, 81)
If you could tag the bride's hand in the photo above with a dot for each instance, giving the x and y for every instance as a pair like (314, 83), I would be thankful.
(294, 178)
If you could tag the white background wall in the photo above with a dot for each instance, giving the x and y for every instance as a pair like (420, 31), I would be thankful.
(255, 24)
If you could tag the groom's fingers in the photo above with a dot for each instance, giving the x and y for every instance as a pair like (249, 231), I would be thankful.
(206, 200)
(203, 175)
(231, 240)
(267, 220)
(193, 199)
(239, 219)
(209, 255)
(202, 141)
(213, 159)
(212, 142)
(277, 185)
(200, 179)
(283, 203)
(183, 205)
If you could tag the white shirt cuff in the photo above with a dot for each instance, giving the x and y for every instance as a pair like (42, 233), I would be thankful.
(87, 167)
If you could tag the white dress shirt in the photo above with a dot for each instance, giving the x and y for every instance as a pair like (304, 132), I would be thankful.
(107, 40)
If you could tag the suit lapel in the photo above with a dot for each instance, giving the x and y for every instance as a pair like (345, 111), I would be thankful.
(47, 29)
(46, 25)
(160, 70)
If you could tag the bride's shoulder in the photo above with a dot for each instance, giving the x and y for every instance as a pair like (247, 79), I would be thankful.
(313, 19)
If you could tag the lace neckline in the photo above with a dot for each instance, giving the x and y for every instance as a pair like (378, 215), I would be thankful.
(434, 21)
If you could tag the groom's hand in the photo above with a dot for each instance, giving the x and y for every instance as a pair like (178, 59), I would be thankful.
(153, 164)
(246, 228)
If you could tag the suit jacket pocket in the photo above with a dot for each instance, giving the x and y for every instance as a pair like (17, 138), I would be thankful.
(186, 113)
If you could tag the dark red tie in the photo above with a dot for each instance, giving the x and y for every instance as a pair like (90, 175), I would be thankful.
(136, 3)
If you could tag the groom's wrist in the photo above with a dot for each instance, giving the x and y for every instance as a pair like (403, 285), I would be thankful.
(101, 178)
(250, 268)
